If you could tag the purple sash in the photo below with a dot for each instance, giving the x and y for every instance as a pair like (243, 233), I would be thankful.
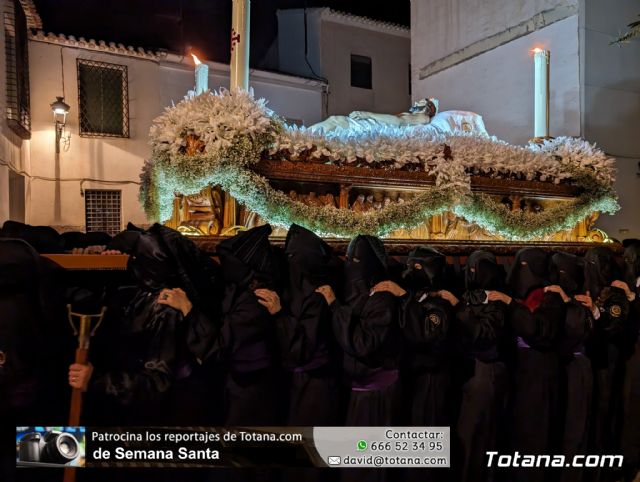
(522, 343)
(312, 365)
(377, 381)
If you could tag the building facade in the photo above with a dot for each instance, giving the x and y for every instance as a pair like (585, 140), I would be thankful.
(365, 62)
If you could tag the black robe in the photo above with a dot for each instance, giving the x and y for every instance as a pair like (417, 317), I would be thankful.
(36, 347)
(368, 333)
(576, 385)
(535, 409)
(134, 385)
(535, 319)
(151, 371)
(247, 346)
(607, 349)
(630, 443)
(484, 344)
(427, 361)
(305, 333)
(366, 328)
(425, 321)
(248, 353)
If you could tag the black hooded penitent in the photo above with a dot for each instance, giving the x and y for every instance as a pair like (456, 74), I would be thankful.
(425, 319)
(425, 269)
(484, 346)
(567, 271)
(305, 332)
(366, 328)
(600, 270)
(34, 333)
(529, 272)
(156, 345)
(247, 343)
(308, 256)
(482, 272)
(366, 265)
(249, 258)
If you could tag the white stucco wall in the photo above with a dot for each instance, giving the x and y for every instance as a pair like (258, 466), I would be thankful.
(390, 57)
(331, 40)
(442, 28)
(152, 86)
(498, 84)
(611, 114)
(113, 159)
(13, 149)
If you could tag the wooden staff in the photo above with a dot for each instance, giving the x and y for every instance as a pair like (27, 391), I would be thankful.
(84, 332)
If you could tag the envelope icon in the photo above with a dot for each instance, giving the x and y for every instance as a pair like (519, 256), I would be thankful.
(334, 460)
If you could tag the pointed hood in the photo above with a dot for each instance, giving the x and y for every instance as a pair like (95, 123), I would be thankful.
(425, 269)
(196, 272)
(567, 271)
(600, 270)
(529, 272)
(366, 265)
(308, 259)
(309, 256)
(248, 256)
(151, 264)
(482, 272)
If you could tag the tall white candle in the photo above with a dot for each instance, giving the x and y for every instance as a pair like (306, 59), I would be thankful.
(541, 93)
(240, 27)
(202, 76)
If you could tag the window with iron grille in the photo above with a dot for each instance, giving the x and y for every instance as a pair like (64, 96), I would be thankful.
(103, 98)
(102, 210)
(361, 71)
(17, 69)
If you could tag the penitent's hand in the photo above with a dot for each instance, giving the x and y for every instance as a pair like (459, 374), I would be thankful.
(389, 287)
(176, 299)
(559, 290)
(499, 296)
(447, 295)
(587, 302)
(327, 292)
(79, 376)
(269, 299)
(624, 287)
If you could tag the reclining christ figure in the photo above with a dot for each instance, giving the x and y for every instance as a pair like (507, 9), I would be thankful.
(424, 112)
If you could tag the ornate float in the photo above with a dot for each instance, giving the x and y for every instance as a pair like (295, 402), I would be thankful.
(224, 162)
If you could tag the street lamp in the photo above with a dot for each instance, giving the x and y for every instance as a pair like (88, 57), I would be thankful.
(60, 110)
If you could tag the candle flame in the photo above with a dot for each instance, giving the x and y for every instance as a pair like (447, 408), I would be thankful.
(196, 59)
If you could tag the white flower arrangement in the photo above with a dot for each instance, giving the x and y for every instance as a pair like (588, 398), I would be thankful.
(236, 131)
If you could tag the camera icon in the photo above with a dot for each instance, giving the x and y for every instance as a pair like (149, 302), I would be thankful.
(51, 448)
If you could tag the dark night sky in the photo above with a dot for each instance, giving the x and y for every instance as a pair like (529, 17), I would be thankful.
(203, 25)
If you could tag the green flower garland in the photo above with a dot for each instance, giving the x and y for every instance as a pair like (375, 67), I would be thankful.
(228, 162)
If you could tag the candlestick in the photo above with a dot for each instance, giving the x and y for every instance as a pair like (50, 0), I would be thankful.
(202, 76)
(541, 93)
